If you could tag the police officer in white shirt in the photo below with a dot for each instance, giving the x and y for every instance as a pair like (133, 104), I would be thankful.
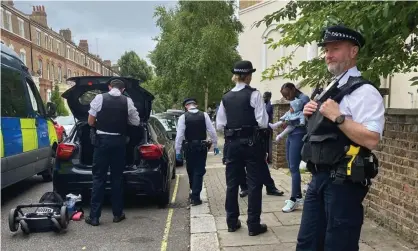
(110, 114)
(352, 118)
(241, 113)
(192, 127)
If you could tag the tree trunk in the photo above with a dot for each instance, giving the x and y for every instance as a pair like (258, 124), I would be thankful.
(206, 96)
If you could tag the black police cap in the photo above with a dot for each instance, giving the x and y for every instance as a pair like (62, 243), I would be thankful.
(341, 33)
(243, 67)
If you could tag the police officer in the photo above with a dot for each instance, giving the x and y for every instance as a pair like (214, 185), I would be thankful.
(192, 127)
(240, 113)
(110, 114)
(353, 116)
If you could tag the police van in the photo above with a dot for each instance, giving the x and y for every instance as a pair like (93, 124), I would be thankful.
(28, 138)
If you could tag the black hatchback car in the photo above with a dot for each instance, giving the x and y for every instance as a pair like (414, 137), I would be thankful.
(150, 154)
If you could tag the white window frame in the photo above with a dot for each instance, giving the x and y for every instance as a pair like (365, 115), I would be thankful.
(48, 95)
(11, 46)
(68, 73)
(9, 20)
(46, 39)
(47, 70)
(53, 72)
(21, 27)
(23, 51)
(59, 74)
(58, 48)
(68, 52)
(38, 37)
(2, 17)
(41, 67)
(51, 43)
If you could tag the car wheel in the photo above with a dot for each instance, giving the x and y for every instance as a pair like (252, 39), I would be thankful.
(164, 197)
(174, 174)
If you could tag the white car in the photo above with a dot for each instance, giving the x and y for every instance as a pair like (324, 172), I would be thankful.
(67, 122)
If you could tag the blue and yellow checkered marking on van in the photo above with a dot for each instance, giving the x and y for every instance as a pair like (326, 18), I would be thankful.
(19, 135)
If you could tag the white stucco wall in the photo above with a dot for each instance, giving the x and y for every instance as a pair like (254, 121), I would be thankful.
(251, 47)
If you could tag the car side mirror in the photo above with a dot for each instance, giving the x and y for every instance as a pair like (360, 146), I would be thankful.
(51, 109)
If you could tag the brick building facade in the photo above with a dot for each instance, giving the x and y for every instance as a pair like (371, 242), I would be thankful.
(50, 56)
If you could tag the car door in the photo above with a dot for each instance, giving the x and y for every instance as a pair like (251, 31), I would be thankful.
(38, 121)
(18, 130)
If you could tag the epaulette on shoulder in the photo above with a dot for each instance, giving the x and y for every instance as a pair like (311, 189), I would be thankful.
(250, 88)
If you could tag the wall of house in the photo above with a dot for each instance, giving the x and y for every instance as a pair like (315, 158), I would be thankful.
(393, 197)
(252, 47)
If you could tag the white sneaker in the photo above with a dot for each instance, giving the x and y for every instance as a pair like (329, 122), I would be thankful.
(291, 206)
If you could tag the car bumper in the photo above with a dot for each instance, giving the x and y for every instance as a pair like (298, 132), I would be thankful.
(141, 181)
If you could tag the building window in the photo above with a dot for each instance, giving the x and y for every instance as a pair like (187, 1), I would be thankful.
(48, 95)
(68, 73)
(12, 47)
(88, 62)
(52, 72)
(58, 48)
(23, 55)
(40, 68)
(1, 18)
(8, 23)
(47, 71)
(59, 74)
(21, 27)
(50, 44)
(46, 41)
(38, 38)
(68, 52)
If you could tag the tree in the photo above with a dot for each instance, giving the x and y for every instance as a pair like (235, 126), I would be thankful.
(390, 30)
(56, 99)
(132, 65)
(196, 49)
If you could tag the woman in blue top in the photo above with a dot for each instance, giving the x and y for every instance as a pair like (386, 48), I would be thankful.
(294, 146)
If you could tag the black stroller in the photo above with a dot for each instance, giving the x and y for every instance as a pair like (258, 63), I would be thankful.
(50, 214)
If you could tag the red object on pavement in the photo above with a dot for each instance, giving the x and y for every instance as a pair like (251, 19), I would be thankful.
(77, 216)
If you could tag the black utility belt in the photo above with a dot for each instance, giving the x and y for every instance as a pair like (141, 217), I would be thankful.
(196, 141)
(240, 132)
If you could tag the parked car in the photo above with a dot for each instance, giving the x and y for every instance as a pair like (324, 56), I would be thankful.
(28, 138)
(59, 129)
(67, 123)
(170, 122)
(150, 154)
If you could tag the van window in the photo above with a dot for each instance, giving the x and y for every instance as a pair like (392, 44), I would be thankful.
(13, 102)
(35, 98)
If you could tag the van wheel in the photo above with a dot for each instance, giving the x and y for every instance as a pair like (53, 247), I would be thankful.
(47, 174)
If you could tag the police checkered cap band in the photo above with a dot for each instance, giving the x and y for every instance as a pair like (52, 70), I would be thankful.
(338, 34)
(243, 70)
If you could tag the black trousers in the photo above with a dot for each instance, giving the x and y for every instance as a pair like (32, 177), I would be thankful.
(196, 168)
(332, 215)
(238, 157)
(110, 152)
(267, 179)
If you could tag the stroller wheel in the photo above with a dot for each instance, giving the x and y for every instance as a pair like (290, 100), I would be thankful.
(13, 224)
(56, 225)
(64, 218)
(24, 226)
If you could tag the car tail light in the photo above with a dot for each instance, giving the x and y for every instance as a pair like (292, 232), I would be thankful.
(151, 151)
(64, 151)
